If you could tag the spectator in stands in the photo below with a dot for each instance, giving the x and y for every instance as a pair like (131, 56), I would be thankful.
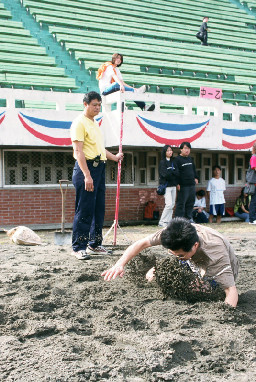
(186, 183)
(241, 208)
(199, 213)
(215, 189)
(252, 209)
(89, 179)
(111, 80)
(209, 253)
(168, 174)
(203, 31)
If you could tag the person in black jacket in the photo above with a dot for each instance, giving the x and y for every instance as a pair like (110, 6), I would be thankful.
(186, 184)
(203, 34)
(168, 174)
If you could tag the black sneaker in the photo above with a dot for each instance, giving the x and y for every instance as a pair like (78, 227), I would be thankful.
(150, 108)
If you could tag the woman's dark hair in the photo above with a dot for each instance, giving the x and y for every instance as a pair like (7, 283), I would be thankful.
(200, 193)
(242, 195)
(164, 149)
(115, 56)
(88, 97)
(179, 234)
(185, 144)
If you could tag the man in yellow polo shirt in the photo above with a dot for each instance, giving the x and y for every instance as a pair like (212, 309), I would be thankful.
(89, 179)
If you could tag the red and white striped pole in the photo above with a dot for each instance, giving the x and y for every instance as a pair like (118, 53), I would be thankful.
(119, 174)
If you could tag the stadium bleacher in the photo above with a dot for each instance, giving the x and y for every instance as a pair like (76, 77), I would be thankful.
(26, 64)
(159, 46)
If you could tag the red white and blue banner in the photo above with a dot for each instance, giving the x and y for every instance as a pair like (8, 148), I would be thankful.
(238, 139)
(2, 116)
(168, 133)
(49, 131)
(47, 128)
(32, 128)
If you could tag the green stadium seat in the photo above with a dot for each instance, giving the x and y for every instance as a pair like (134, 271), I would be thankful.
(38, 81)
(158, 50)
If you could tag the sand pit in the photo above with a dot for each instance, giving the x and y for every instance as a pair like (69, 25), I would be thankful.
(61, 322)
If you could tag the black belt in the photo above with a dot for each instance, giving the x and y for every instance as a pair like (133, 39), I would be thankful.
(92, 160)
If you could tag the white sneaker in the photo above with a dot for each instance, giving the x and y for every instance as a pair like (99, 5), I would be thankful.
(100, 250)
(141, 90)
(81, 255)
(254, 222)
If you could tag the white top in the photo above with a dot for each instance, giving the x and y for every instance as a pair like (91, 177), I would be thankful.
(216, 188)
(107, 76)
(200, 202)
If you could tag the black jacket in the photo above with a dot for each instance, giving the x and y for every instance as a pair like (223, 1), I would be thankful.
(203, 28)
(168, 172)
(187, 170)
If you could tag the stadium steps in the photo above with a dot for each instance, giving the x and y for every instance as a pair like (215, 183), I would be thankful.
(127, 11)
(68, 18)
(41, 49)
(250, 7)
(31, 69)
(172, 61)
(36, 81)
(183, 68)
(172, 34)
(153, 15)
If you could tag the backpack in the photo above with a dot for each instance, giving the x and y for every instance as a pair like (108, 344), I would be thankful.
(102, 69)
(149, 210)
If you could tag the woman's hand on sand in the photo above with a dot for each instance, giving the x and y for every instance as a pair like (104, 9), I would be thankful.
(112, 273)
(150, 275)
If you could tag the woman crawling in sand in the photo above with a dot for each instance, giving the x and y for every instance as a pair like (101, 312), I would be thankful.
(205, 250)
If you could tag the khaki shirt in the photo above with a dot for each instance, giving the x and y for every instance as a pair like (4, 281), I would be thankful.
(214, 257)
(85, 130)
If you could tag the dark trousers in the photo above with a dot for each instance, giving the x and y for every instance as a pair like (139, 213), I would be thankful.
(115, 87)
(252, 208)
(185, 201)
(204, 38)
(89, 208)
(199, 217)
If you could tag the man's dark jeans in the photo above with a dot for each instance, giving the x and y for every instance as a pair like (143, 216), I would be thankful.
(252, 208)
(89, 208)
(185, 201)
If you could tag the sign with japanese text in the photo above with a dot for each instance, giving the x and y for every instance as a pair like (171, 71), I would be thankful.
(212, 93)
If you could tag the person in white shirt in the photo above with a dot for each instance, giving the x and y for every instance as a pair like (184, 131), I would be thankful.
(111, 80)
(215, 189)
(199, 214)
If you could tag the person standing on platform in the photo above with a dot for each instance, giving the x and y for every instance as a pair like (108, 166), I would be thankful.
(89, 179)
(168, 174)
(203, 31)
(187, 180)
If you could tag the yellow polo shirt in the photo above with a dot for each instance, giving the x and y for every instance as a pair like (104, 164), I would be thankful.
(85, 130)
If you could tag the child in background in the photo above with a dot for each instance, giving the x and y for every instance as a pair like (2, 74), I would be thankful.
(215, 190)
(199, 214)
